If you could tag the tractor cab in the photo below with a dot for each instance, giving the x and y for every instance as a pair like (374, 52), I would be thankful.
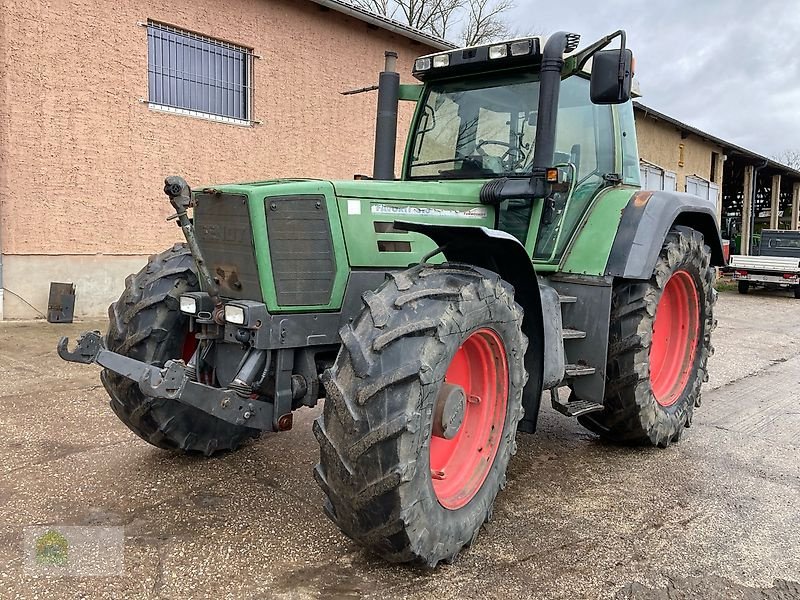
(478, 117)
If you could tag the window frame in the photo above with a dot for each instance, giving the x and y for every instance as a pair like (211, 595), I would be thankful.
(247, 55)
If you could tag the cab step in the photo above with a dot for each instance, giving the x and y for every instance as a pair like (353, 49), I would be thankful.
(576, 408)
(567, 299)
(579, 370)
(572, 334)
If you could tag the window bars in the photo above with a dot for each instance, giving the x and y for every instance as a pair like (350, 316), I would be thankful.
(197, 75)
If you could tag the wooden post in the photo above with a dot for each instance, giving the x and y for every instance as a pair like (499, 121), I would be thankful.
(795, 223)
(747, 207)
(775, 204)
(719, 169)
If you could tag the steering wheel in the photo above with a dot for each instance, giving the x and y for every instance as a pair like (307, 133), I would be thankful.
(510, 159)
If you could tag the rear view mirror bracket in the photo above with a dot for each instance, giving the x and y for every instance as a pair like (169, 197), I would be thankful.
(612, 70)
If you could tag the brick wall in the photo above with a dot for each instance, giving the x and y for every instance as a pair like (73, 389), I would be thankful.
(82, 160)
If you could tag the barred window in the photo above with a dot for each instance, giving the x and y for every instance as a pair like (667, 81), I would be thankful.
(197, 75)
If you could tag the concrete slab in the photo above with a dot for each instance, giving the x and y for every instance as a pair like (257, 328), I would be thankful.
(715, 516)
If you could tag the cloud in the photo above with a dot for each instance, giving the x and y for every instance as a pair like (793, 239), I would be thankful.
(728, 67)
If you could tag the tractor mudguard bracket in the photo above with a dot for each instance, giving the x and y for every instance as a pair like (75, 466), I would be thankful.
(171, 383)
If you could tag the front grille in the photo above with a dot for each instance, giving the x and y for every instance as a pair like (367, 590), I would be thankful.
(225, 237)
(301, 249)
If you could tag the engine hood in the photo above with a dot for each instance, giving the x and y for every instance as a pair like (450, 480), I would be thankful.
(461, 192)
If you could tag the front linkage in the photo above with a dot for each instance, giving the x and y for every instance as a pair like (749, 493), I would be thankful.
(171, 383)
(237, 404)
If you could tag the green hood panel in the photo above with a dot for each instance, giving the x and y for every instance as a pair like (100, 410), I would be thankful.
(362, 213)
(458, 192)
(369, 208)
(432, 191)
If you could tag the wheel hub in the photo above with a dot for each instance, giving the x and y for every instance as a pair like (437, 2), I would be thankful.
(468, 418)
(448, 415)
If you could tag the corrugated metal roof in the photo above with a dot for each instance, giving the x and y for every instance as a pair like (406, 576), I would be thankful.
(387, 24)
(727, 147)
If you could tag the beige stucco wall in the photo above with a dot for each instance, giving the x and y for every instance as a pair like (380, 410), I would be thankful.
(82, 159)
(659, 143)
(98, 279)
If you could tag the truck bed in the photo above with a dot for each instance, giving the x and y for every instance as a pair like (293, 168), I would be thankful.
(766, 264)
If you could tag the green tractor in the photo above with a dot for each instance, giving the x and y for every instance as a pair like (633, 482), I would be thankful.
(515, 255)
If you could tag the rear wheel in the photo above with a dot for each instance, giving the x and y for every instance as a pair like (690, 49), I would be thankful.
(421, 413)
(743, 286)
(659, 343)
(146, 324)
(797, 292)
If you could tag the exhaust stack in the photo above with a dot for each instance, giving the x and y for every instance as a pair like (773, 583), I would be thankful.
(386, 121)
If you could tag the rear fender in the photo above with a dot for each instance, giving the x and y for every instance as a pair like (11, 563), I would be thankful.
(645, 222)
(502, 253)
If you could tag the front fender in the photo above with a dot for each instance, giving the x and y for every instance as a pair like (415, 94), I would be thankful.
(502, 253)
(645, 222)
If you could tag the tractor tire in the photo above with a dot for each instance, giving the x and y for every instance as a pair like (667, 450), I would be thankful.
(146, 324)
(659, 344)
(444, 337)
(743, 286)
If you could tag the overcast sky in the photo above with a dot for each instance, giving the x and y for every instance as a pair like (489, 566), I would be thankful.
(728, 67)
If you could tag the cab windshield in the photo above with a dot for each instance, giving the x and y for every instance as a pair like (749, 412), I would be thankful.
(471, 129)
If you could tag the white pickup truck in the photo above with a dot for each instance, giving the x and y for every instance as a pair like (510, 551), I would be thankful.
(776, 265)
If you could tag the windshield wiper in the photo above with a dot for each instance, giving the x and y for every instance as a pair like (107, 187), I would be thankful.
(434, 162)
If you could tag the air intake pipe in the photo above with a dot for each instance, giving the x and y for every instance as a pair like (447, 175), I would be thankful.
(498, 190)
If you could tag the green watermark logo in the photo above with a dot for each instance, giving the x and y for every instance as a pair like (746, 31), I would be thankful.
(73, 551)
(52, 548)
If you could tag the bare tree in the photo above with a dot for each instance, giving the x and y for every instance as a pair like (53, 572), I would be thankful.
(789, 157)
(485, 21)
(468, 22)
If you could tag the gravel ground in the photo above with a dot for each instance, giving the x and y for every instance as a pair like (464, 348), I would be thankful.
(715, 516)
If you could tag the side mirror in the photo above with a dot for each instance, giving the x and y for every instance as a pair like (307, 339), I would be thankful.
(612, 76)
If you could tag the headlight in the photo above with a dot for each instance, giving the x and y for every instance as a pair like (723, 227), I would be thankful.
(500, 51)
(521, 48)
(422, 64)
(442, 60)
(188, 305)
(234, 314)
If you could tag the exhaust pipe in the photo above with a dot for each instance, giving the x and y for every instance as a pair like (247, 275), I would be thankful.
(386, 122)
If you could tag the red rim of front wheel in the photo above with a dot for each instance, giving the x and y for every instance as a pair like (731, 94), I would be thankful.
(675, 337)
(189, 346)
(459, 466)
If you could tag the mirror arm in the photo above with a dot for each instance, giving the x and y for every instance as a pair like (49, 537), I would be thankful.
(584, 55)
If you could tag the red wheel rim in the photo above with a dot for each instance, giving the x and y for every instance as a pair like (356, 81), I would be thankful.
(189, 346)
(459, 466)
(675, 334)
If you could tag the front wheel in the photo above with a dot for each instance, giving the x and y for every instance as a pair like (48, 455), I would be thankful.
(146, 324)
(421, 413)
(659, 344)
